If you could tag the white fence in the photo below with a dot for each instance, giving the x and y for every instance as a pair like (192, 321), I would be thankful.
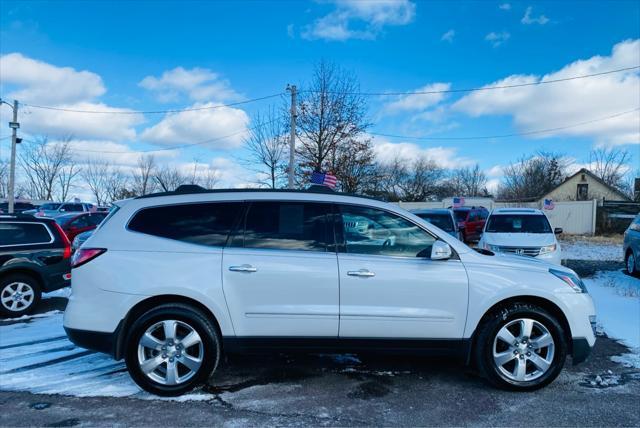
(574, 217)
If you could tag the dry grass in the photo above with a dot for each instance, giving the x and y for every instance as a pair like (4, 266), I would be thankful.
(600, 239)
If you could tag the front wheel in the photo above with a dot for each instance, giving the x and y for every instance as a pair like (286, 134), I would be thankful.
(172, 349)
(521, 347)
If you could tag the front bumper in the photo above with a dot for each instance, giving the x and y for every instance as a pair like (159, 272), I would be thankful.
(581, 349)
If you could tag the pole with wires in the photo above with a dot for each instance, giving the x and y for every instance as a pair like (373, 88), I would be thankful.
(14, 125)
(292, 136)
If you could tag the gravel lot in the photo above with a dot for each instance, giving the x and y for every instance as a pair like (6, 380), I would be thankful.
(348, 390)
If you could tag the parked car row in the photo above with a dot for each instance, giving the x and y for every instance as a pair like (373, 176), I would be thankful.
(170, 281)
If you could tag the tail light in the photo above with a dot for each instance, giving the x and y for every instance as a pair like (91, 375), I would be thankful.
(85, 255)
(65, 241)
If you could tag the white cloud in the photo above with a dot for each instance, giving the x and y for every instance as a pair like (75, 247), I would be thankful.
(199, 125)
(528, 19)
(448, 36)
(118, 154)
(55, 123)
(497, 39)
(505, 6)
(199, 84)
(419, 101)
(40, 83)
(570, 102)
(360, 19)
(387, 151)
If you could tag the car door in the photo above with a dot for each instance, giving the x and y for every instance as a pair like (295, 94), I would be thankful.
(280, 272)
(389, 286)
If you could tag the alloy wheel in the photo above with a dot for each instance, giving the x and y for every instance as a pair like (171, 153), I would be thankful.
(631, 263)
(17, 296)
(523, 350)
(170, 352)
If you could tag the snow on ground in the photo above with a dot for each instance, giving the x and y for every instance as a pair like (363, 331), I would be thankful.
(589, 250)
(617, 300)
(36, 356)
(62, 292)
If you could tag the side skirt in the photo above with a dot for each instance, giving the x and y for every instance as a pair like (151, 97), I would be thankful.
(458, 348)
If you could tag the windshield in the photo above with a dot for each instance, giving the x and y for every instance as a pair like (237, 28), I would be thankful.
(461, 215)
(61, 220)
(443, 221)
(50, 207)
(514, 223)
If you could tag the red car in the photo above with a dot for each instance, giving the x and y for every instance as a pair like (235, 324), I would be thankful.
(471, 221)
(74, 224)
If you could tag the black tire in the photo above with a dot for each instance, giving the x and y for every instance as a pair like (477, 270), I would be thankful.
(488, 330)
(6, 286)
(195, 319)
(630, 260)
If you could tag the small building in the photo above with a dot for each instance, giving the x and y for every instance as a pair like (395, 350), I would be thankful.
(585, 186)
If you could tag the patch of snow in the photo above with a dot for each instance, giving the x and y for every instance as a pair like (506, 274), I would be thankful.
(62, 292)
(585, 250)
(27, 317)
(617, 300)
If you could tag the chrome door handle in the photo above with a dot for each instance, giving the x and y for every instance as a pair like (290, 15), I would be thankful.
(243, 268)
(362, 272)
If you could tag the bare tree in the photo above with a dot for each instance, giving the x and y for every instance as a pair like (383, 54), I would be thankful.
(116, 185)
(142, 175)
(96, 174)
(4, 178)
(43, 163)
(467, 181)
(267, 147)
(611, 166)
(353, 164)
(170, 178)
(331, 115)
(531, 177)
(65, 180)
(412, 181)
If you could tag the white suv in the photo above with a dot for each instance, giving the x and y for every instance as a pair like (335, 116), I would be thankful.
(170, 281)
(521, 231)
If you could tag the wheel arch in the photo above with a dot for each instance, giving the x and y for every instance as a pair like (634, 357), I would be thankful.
(21, 270)
(545, 304)
(152, 302)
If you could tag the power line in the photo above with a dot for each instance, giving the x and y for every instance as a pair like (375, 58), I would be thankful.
(517, 134)
(69, 110)
(181, 146)
(485, 88)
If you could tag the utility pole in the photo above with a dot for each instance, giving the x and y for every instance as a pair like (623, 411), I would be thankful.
(292, 136)
(14, 125)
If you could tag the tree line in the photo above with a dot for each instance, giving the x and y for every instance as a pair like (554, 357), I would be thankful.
(332, 125)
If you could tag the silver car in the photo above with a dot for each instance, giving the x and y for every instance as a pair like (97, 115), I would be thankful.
(631, 246)
(442, 218)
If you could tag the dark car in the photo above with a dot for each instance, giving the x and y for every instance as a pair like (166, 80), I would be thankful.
(74, 224)
(441, 217)
(631, 247)
(34, 258)
(471, 221)
(18, 207)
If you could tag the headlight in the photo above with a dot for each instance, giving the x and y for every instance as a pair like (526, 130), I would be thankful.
(548, 249)
(572, 280)
(493, 248)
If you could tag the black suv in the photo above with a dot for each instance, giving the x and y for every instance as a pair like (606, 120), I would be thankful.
(34, 257)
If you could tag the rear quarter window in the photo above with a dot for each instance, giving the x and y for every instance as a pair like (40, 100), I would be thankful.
(12, 234)
(204, 224)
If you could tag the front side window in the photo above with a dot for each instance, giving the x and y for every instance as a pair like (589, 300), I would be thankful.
(23, 234)
(443, 221)
(50, 207)
(376, 232)
(515, 223)
(72, 208)
(204, 224)
(288, 226)
(82, 221)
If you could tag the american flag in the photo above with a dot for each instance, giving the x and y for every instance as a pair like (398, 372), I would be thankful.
(458, 202)
(324, 179)
(548, 204)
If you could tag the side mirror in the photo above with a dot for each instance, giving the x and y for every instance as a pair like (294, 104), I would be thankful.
(441, 251)
(557, 230)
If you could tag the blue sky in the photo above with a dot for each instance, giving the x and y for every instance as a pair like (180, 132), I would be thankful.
(145, 55)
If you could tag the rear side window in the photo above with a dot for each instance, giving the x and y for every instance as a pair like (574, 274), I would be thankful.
(204, 224)
(72, 208)
(287, 226)
(24, 234)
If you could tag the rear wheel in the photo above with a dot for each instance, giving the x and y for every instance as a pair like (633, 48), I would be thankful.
(630, 263)
(521, 347)
(19, 295)
(172, 349)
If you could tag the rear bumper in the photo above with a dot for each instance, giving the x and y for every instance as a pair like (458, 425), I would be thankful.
(581, 350)
(95, 340)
